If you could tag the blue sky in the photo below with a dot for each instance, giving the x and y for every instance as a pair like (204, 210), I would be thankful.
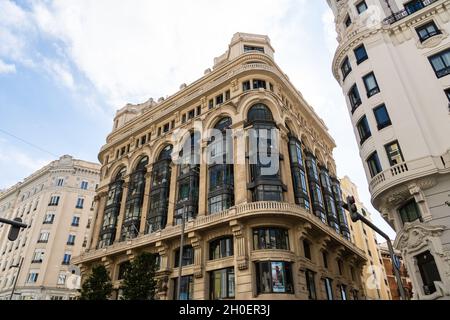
(66, 66)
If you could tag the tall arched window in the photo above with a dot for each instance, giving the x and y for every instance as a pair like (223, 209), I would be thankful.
(135, 199)
(112, 209)
(188, 179)
(298, 173)
(220, 167)
(343, 223)
(159, 193)
(329, 200)
(314, 187)
(265, 181)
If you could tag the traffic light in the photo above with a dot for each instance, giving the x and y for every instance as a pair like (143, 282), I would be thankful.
(352, 209)
(14, 230)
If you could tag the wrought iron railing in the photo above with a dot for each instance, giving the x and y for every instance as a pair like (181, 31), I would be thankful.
(397, 16)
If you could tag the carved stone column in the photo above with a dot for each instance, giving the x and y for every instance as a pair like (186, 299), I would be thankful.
(146, 202)
(198, 257)
(203, 181)
(172, 194)
(419, 196)
(240, 245)
(100, 198)
(122, 208)
(240, 164)
(285, 168)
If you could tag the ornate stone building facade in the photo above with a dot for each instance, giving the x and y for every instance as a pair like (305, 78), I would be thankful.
(57, 203)
(374, 273)
(392, 63)
(249, 235)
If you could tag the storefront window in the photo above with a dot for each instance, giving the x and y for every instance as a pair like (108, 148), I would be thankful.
(274, 277)
(222, 284)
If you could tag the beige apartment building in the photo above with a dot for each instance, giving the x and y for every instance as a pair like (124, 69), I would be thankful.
(57, 204)
(393, 65)
(250, 234)
(374, 274)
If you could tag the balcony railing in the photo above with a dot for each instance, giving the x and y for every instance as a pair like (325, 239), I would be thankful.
(408, 11)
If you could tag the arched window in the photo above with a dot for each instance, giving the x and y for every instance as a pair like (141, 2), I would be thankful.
(135, 199)
(298, 173)
(343, 223)
(220, 167)
(159, 193)
(112, 209)
(314, 187)
(264, 157)
(188, 179)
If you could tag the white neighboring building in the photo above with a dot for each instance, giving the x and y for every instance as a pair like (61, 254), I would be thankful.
(393, 64)
(57, 202)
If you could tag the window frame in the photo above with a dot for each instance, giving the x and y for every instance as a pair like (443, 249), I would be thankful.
(363, 135)
(369, 158)
(441, 72)
(376, 89)
(429, 35)
(399, 150)
(366, 56)
(381, 125)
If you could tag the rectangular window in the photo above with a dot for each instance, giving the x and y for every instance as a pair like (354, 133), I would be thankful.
(60, 182)
(410, 212)
(183, 118)
(221, 248)
(371, 84)
(343, 290)
(61, 279)
(382, 117)
(354, 97)
(363, 129)
(80, 203)
(32, 277)
(159, 131)
(199, 110)
(188, 256)
(211, 104)
(374, 164)
(75, 221)
(346, 68)
(246, 86)
(222, 284)
(43, 237)
(361, 6)
(259, 84)
(49, 218)
(311, 284)
(441, 63)
(328, 288)
(172, 124)
(447, 94)
(248, 48)
(84, 185)
(307, 249)
(38, 256)
(54, 201)
(428, 272)
(191, 114)
(71, 240)
(66, 259)
(186, 288)
(270, 238)
(413, 6)
(166, 128)
(227, 95)
(219, 99)
(427, 31)
(274, 277)
(394, 153)
(360, 54)
(325, 259)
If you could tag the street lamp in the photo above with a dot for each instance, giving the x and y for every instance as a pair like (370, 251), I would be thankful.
(17, 276)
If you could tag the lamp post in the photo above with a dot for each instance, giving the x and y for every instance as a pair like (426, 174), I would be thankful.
(17, 277)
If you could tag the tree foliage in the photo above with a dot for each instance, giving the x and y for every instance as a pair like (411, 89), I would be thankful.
(139, 278)
(98, 285)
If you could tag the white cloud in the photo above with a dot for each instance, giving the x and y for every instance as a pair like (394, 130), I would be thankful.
(7, 68)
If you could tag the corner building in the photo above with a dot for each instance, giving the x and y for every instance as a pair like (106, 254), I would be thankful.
(56, 202)
(393, 64)
(248, 235)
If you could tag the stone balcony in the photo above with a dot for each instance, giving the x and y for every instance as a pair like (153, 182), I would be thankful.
(407, 171)
(248, 210)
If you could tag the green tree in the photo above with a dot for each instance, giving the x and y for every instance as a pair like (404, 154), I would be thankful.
(98, 285)
(139, 278)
